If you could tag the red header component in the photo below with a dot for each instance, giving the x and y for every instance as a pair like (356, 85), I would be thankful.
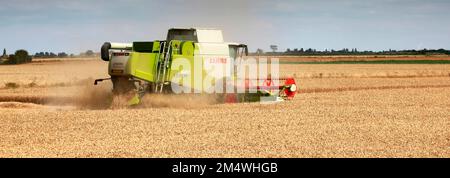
(218, 60)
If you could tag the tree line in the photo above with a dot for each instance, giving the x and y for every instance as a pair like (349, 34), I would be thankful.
(22, 56)
(353, 51)
(19, 57)
(88, 53)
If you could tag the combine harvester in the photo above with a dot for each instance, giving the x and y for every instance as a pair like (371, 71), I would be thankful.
(154, 67)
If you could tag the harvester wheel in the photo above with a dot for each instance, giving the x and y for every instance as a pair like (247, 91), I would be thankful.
(225, 96)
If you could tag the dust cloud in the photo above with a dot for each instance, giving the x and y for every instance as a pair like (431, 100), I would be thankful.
(102, 97)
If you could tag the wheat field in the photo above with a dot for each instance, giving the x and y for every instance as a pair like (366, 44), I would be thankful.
(358, 110)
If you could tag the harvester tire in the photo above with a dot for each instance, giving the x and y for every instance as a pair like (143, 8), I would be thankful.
(224, 97)
(105, 51)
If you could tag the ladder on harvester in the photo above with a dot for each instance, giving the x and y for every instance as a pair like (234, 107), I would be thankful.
(163, 66)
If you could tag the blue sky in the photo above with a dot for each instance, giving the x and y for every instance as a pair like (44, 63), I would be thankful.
(78, 25)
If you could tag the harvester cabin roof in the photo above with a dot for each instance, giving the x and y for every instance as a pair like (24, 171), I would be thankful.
(200, 35)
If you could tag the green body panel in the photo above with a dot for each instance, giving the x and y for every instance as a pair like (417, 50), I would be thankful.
(177, 71)
(176, 45)
(143, 65)
(184, 51)
(156, 46)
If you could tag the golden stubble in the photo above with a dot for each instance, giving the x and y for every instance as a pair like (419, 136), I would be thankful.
(348, 116)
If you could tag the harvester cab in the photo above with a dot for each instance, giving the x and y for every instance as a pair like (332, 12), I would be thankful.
(187, 55)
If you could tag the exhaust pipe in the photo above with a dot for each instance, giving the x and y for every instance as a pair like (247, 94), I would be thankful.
(107, 46)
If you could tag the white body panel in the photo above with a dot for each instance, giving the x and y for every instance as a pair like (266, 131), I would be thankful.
(213, 49)
(121, 45)
(209, 36)
(216, 59)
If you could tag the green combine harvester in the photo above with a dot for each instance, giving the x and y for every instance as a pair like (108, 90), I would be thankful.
(183, 62)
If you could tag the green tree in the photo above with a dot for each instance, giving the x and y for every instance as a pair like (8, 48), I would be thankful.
(62, 55)
(19, 57)
(4, 52)
(274, 48)
(89, 53)
(259, 51)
